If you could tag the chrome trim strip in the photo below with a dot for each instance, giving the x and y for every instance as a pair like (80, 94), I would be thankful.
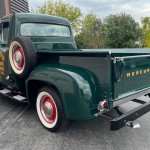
(129, 98)
(133, 57)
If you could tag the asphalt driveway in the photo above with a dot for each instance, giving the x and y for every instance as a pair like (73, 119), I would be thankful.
(20, 129)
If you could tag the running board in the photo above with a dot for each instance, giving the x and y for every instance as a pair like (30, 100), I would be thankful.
(19, 98)
(5, 91)
(8, 93)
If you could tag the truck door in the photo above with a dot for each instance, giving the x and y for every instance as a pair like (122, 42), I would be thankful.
(4, 32)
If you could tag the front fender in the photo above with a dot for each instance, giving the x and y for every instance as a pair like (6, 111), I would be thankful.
(75, 85)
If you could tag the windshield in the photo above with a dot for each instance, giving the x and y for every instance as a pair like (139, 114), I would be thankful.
(40, 29)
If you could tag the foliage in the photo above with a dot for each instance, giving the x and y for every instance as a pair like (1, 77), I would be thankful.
(61, 9)
(116, 31)
(146, 30)
(90, 35)
(121, 31)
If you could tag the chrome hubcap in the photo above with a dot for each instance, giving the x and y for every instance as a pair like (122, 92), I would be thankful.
(18, 57)
(48, 109)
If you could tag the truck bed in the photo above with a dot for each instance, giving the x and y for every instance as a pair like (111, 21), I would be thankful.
(132, 66)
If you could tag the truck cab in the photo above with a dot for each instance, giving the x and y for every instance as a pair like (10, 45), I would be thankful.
(47, 33)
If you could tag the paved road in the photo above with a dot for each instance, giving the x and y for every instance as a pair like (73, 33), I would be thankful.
(20, 129)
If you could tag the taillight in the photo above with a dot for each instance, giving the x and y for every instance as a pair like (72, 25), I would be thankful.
(102, 105)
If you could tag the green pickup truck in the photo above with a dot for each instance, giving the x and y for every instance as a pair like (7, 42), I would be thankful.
(40, 64)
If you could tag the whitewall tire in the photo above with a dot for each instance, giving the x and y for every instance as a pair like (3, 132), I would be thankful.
(50, 110)
(22, 56)
(46, 109)
(16, 57)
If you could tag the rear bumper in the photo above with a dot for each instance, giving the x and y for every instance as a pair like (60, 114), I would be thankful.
(132, 115)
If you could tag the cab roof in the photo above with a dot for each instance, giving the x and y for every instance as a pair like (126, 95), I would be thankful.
(41, 18)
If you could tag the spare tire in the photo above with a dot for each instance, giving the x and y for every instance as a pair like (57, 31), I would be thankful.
(22, 56)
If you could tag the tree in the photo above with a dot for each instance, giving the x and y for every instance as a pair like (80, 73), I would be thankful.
(121, 31)
(90, 34)
(61, 9)
(146, 30)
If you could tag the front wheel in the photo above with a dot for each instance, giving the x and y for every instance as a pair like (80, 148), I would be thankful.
(50, 110)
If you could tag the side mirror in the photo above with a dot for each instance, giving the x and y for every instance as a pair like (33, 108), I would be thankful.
(0, 30)
(2, 43)
(4, 30)
(0, 36)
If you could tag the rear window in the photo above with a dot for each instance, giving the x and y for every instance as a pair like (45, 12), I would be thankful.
(38, 29)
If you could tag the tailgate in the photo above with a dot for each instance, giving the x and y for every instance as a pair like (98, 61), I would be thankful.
(131, 74)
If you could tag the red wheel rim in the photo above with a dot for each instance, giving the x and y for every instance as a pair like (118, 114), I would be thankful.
(48, 109)
(18, 58)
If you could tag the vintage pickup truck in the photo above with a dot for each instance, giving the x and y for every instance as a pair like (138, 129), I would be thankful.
(40, 64)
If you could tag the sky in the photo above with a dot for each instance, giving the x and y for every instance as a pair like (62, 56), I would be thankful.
(103, 8)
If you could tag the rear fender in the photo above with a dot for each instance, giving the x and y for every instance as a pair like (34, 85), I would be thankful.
(75, 86)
